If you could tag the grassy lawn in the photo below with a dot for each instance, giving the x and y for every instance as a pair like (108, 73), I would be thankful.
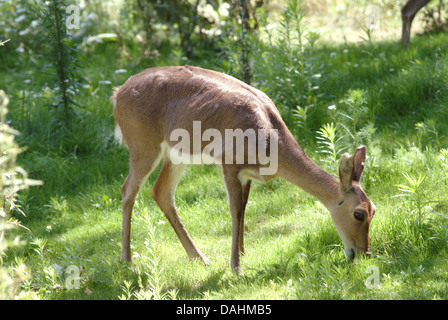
(73, 221)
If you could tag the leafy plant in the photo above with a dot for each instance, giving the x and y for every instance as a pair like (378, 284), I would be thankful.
(285, 66)
(416, 193)
(328, 140)
(126, 288)
(238, 42)
(353, 114)
(435, 17)
(301, 117)
(149, 264)
(63, 56)
(12, 179)
(427, 133)
(245, 47)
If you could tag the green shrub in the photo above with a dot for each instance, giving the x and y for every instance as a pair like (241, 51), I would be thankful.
(12, 179)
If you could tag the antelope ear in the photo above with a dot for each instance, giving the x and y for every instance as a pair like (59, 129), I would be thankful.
(346, 171)
(358, 158)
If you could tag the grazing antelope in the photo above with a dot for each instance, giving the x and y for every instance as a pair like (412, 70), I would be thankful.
(408, 12)
(158, 106)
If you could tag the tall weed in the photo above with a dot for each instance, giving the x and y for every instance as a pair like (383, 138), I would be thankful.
(151, 277)
(285, 66)
(12, 179)
(329, 143)
(62, 55)
(353, 115)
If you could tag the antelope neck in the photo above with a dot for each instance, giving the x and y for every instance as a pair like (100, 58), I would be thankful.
(296, 167)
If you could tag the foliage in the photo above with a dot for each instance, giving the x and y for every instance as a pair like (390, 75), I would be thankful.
(20, 24)
(63, 56)
(415, 191)
(191, 25)
(435, 17)
(352, 115)
(329, 141)
(150, 266)
(12, 179)
(284, 65)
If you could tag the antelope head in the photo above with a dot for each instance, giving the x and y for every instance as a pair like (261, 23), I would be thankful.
(354, 211)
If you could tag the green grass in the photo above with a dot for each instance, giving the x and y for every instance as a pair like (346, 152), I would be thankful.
(293, 250)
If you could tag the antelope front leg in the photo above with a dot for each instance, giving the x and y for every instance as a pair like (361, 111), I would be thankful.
(138, 174)
(405, 34)
(245, 189)
(237, 202)
(408, 13)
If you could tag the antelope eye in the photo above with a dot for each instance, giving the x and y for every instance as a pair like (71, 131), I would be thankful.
(359, 215)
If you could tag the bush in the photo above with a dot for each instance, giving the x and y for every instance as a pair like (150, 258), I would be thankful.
(12, 179)
(284, 65)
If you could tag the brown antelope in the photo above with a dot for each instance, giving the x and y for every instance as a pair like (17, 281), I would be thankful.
(155, 107)
(408, 12)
